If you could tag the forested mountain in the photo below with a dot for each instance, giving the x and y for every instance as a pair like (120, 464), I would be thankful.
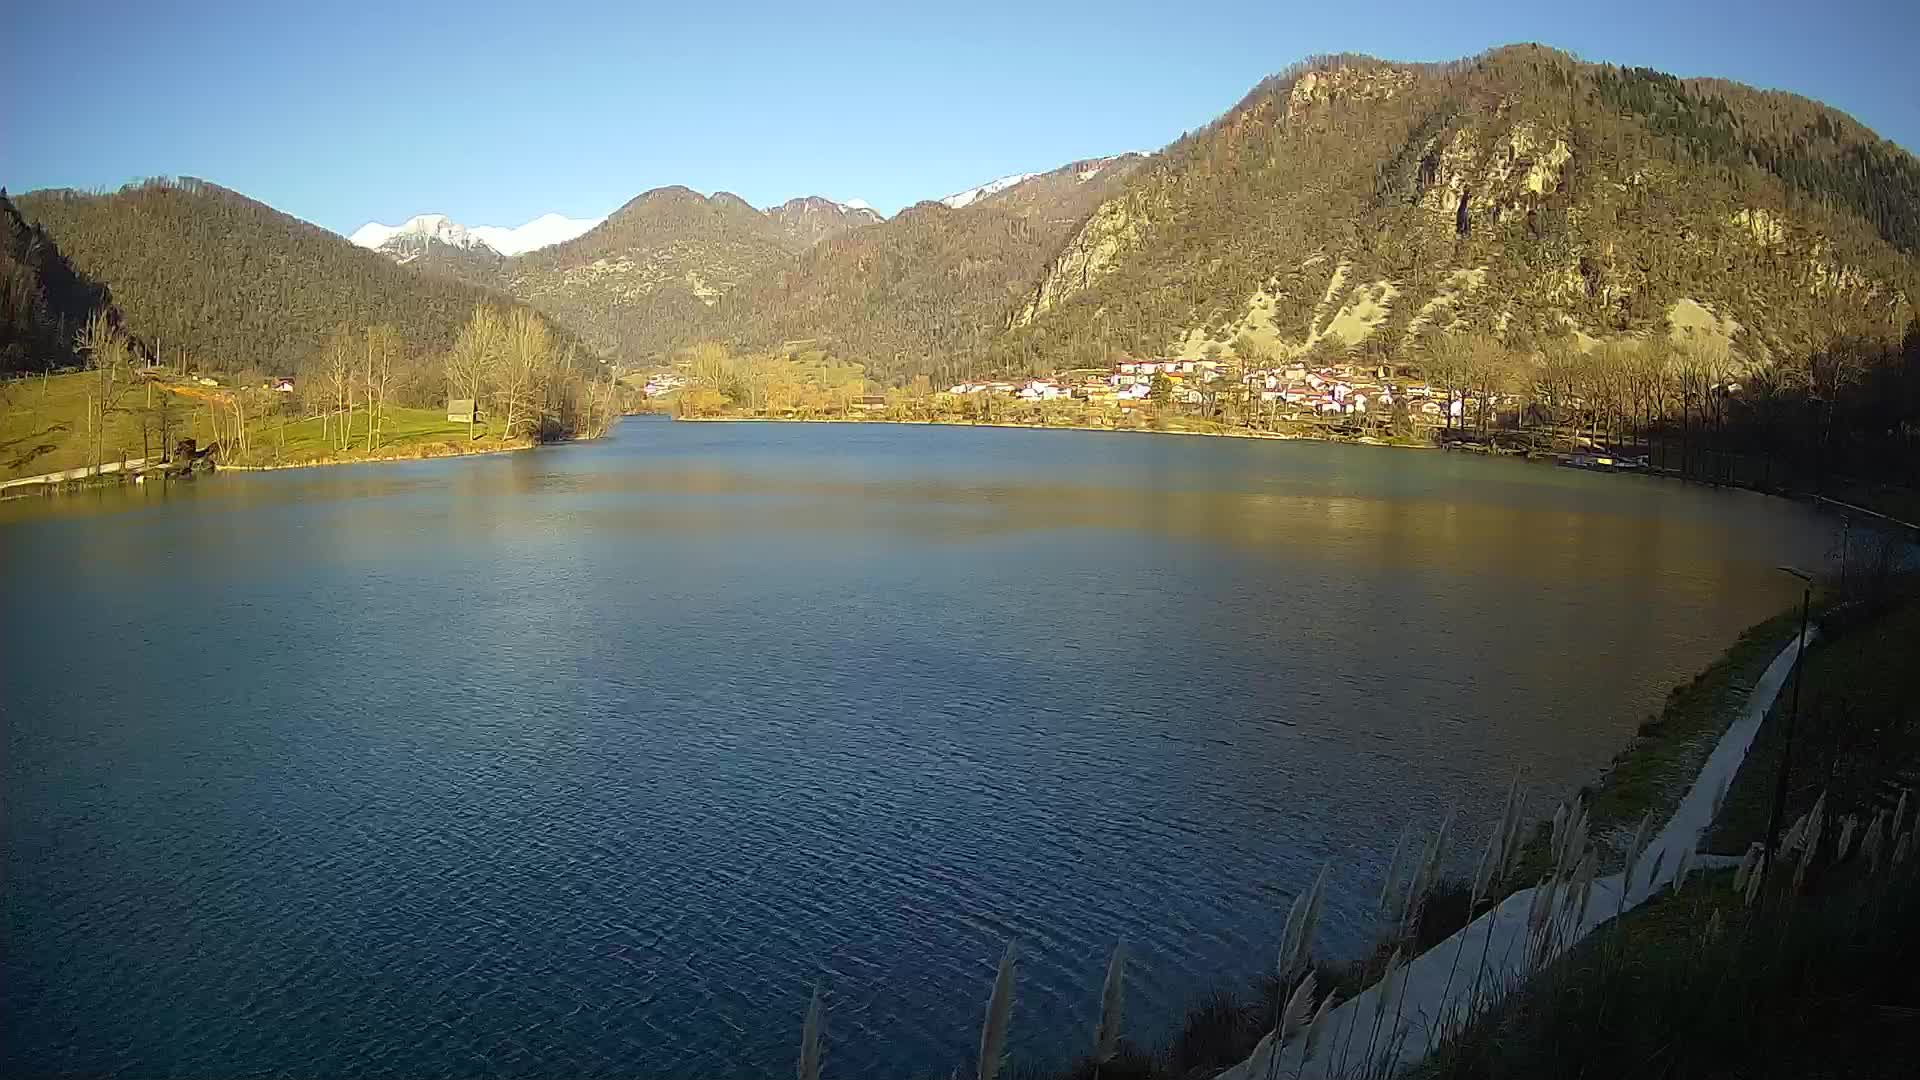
(44, 301)
(812, 219)
(920, 292)
(926, 292)
(1351, 203)
(647, 277)
(1345, 205)
(237, 285)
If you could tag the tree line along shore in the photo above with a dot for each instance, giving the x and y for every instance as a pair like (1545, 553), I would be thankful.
(506, 382)
(1833, 423)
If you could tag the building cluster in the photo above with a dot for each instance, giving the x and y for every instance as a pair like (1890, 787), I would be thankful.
(1337, 390)
(1293, 389)
(661, 383)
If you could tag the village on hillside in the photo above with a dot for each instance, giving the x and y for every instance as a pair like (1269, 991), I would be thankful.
(1279, 391)
(1293, 390)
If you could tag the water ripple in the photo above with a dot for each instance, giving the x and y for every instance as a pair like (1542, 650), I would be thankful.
(595, 762)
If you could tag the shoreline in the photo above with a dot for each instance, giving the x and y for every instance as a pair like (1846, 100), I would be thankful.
(1276, 436)
(1817, 501)
(380, 459)
(1434, 1005)
(112, 475)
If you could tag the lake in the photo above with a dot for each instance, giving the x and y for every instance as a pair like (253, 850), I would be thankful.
(594, 760)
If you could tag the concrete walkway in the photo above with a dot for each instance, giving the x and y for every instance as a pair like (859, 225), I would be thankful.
(1438, 996)
(74, 474)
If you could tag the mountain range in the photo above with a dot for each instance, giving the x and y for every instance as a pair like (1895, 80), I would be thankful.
(806, 219)
(1346, 204)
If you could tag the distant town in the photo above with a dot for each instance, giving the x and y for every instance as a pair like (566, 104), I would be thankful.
(1288, 391)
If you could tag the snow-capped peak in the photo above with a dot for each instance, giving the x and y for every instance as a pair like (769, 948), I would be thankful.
(966, 198)
(431, 226)
(372, 234)
(857, 204)
(540, 232)
(543, 231)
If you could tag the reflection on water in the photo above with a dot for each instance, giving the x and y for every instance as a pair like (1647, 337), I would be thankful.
(593, 760)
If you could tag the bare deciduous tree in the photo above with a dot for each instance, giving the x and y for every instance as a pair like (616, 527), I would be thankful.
(474, 354)
(108, 355)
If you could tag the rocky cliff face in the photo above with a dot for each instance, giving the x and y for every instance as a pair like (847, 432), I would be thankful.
(805, 222)
(1355, 204)
(1114, 230)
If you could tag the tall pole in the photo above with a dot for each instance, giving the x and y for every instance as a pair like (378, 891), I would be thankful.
(1793, 713)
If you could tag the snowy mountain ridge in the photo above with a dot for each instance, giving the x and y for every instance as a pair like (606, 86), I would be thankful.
(961, 200)
(543, 231)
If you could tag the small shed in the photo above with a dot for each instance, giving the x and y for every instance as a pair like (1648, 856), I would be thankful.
(462, 411)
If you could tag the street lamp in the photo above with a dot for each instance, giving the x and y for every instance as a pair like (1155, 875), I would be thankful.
(1793, 713)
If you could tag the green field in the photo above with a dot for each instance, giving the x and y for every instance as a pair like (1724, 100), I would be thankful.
(43, 425)
(44, 428)
(404, 432)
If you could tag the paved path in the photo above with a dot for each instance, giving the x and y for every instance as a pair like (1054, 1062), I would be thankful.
(73, 474)
(1439, 996)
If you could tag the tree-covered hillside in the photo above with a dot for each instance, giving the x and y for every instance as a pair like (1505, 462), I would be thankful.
(647, 278)
(236, 285)
(44, 301)
(1355, 204)
(928, 291)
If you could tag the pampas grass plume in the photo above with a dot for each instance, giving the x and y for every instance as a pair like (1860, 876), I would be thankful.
(1394, 869)
(812, 1039)
(1682, 868)
(1317, 1030)
(1296, 944)
(1390, 983)
(1653, 872)
(1299, 1009)
(1113, 992)
(1748, 864)
(1484, 872)
(1634, 850)
(993, 1032)
(1870, 843)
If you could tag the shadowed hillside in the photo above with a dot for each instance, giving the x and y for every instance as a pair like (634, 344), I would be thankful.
(44, 301)
(236, 285)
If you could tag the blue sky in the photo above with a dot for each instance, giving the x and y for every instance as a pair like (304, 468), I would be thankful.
(342, 112)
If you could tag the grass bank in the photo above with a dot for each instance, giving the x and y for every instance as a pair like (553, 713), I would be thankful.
(1856, 737)
(1652, 772)
(47, 425)
(1803, 971)
(405, 434)
(1650, 776)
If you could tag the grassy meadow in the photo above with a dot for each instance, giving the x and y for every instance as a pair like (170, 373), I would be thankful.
(404, 433)
(44, 427)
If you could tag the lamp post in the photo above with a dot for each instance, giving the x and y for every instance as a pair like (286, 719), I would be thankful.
(1793, 713)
